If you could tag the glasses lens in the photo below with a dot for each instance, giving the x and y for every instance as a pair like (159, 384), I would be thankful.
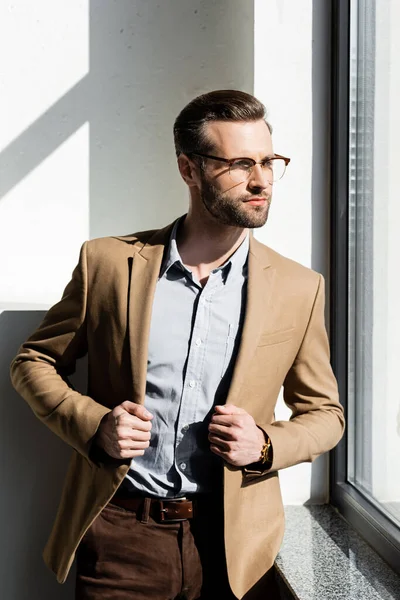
(240, 170)
(279, 168)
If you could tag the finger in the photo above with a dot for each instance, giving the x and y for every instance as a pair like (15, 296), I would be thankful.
(226, 456)
(226, 420)
(127, 433)
(217, 450)
(131, 445)
(138, 410)
(127, 421)
(228, 409)
(130, 453)
(217, 441)
(139, 425)
(118, 410)
(226, 433)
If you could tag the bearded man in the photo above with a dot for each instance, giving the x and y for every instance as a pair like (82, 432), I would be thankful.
(190, 331)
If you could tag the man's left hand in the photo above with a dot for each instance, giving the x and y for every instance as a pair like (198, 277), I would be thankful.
(235, 436)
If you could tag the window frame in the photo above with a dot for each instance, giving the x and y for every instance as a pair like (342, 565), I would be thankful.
(360, 512)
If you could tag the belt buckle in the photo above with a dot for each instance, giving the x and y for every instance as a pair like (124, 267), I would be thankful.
(164, 511)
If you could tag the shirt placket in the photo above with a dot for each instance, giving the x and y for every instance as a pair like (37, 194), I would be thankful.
(192, 384)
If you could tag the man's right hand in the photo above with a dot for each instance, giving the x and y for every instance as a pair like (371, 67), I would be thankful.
(125, 431)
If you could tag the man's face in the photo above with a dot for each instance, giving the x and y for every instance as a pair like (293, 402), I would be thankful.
(244, 203)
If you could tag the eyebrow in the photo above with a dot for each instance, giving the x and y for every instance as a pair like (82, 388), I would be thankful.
(266, 157)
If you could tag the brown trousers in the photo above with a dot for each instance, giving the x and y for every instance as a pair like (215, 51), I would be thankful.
(126, 556)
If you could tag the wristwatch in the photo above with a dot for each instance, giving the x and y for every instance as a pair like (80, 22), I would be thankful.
(264, 463)
(266, 451)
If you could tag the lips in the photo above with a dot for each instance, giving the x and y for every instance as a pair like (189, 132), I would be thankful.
(256, 200)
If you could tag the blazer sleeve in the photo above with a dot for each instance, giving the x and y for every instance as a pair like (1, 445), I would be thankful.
(40, 369)
(310, 390)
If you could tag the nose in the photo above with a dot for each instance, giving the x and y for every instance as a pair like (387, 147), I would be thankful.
(260, 178)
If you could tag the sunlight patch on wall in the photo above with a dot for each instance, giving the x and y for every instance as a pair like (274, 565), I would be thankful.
(44, 52)
(43, 222)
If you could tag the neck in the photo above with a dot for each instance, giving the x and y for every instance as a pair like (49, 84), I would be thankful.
(204, 244)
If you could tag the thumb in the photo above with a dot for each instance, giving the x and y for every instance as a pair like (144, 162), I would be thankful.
(137, 410)
(228, 409)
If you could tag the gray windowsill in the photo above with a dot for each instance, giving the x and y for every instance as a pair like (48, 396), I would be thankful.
(323, 558)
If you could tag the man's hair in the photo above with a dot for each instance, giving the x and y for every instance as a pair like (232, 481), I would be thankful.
(220, 105)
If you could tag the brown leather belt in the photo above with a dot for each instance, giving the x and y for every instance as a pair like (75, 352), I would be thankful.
(177, 509)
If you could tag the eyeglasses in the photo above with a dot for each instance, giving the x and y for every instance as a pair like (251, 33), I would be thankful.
(240, 169)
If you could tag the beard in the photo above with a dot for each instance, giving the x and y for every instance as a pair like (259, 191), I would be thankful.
(233, 211)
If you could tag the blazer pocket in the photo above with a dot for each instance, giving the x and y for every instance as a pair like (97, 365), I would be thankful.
(277, 337)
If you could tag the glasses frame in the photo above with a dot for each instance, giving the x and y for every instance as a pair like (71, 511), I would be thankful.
(230, 161)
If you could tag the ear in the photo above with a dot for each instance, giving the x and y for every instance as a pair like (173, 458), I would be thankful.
(189, 171)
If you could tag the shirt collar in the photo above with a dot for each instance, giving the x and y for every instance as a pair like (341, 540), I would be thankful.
(172, 255)
(233, 266)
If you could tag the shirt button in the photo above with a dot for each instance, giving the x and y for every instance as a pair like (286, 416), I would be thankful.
(192, 383)
(183, 466)
(198, 342)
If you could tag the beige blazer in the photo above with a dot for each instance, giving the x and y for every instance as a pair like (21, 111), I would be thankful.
(105, 312)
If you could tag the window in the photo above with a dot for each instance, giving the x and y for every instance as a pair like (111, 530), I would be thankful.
(365, 326)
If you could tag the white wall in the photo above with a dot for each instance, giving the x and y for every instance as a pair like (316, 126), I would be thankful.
(44, 145)
(90, 91)
(292, 77)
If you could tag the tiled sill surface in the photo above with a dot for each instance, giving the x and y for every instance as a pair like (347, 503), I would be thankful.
(322, 558)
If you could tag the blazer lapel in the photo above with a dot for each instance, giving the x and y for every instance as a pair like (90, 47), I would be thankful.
(146, 266)
(258, 318)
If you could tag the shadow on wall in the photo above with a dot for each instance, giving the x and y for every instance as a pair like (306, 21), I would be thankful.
(147, 60)
(33, 466)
